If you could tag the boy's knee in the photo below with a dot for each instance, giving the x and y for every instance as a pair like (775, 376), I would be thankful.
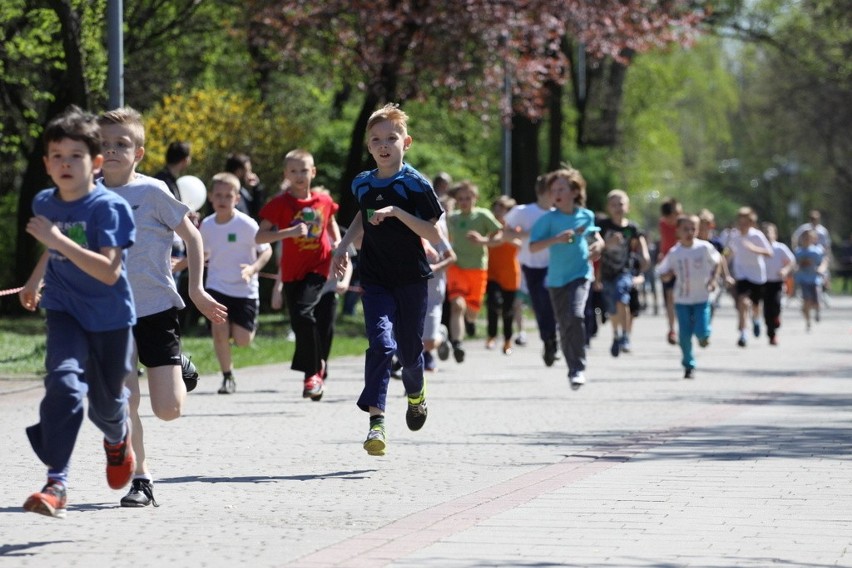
(167, 413)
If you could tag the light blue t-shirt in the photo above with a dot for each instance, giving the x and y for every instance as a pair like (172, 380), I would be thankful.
(809, 258)
(568, 261)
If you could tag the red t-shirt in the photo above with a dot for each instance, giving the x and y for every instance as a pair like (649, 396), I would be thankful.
(668, 237)
(311, 253)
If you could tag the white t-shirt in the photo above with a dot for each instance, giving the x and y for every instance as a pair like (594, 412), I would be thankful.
(228, 246)
(156, 213)
(525, 216)
(748, 265)
(693, 267)
(781, 257)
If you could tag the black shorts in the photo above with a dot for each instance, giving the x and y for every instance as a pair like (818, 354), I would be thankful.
(747, 287)
(158, 339)
(241, 311)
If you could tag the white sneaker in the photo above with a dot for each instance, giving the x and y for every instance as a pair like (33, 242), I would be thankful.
(577, 380)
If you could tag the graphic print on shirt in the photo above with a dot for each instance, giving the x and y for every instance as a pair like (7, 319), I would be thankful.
(314, 220)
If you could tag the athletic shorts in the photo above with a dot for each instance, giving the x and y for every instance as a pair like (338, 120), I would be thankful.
(158, 339)
(617, 291)
(241, 311)
(747, 287)
(467, 283)
(809, 292)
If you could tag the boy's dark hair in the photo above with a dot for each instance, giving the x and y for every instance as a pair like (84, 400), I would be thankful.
(177, 152)
(668, 206)
(75, 124)
(235, 162)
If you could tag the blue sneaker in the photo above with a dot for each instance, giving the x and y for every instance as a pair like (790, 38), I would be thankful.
(625, 344)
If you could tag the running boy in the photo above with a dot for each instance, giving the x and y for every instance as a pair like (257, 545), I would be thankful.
(621, 238)
(89, 309)
(472, 229)
(749, 248)
(694, 264)
(812, 264)
(233, 261)
(670, 211)
(158, 216)
(566, 230)
(504, 278)
(778, 267)
(397, 208)
(301, 219)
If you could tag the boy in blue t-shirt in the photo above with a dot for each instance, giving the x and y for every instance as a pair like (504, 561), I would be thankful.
(398, 208)
(565, 230)
(89, 309)
(812, 264)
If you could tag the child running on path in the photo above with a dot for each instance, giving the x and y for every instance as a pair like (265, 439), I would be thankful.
(812, 264)
(504, 278)
(778, 267)
(158, 216)
(749, 248)
(397, 208)
(233, 261)
(89, 309)
(472, 229)
(301, 219)
(694, 264)
(566, 230)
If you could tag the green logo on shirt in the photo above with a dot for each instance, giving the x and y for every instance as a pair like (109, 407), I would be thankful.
(232, 237)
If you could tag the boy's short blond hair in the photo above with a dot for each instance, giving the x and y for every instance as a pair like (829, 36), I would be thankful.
(228, 179)
(747, 212)
(129, 117)
(617, 193)
(299, 154)
(393, 114)
(706, 216)
(465, 186)
(505, 202)
(683, 219)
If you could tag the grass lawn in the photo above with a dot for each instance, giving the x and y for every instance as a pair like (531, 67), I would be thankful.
(22, 345)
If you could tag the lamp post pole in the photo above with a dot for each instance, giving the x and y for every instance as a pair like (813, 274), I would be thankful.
(115, 49)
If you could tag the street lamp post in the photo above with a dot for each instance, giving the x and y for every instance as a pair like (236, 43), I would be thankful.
(115, 49)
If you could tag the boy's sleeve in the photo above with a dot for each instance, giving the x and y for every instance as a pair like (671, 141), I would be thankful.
(115, 225)
(540, 230)
(426, 204)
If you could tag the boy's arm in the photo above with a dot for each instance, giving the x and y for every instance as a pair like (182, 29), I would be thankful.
(596, 246)
(247, 271)
(210, 308)
(334, 228)
(269, 233)
(30, 295)
(565, 236)
(340, 259)
(645, 256)
(104, 265)
(421, 227)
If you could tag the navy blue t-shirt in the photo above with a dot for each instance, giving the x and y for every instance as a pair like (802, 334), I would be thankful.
(391, 253)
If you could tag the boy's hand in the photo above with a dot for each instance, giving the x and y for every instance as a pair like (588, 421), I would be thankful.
(43, 230)
(566, 236)
(381, 214)
(476, 238)
(30, 296)
(296, 231)
(339, 264)
(210, 308)
(247, 271)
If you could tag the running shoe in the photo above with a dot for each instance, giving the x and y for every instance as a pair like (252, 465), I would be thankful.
(521, 339)
(615, 349)
(141, 494)
(624, 343)
(229, 386)
(507, 347)
(703, 341)
(577, 380)
(741, 341)
(121, 461)
(458, 351)
(188, 372)
(415, 416)
(470, 328)
(314, 388)
(51, 501)
(376, 442)
(491, 343)
(444, 345)
(689, 374)
(550, 352)
(773, 340)
(755, 328)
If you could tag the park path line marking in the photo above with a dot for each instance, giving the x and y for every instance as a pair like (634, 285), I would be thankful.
(418, 530)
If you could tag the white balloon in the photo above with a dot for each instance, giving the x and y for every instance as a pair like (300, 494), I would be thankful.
(193, 193)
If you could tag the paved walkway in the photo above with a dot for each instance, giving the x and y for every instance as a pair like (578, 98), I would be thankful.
(747, 465)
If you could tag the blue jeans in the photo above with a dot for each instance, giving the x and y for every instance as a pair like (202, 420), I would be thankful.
(540, 300)
(692, 319)
(80, 363)
(393, 319)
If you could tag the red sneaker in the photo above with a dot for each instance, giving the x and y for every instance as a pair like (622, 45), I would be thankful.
(121, 462)
(314, 387)
(50, 501)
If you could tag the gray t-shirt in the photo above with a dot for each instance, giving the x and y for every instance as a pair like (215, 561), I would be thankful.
(156, 213)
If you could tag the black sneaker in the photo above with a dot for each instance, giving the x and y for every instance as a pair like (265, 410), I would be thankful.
(415, 416)
(188, 372)
(458, 351)
(470, 328)
(141, 494)
(550, 352)
(689, 374)
(229, 386)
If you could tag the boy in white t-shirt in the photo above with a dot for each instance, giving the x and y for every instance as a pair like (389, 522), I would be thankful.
(233, 261)
(749, 249)
(694, 265)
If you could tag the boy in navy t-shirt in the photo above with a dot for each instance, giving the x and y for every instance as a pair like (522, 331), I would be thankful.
(398, 208)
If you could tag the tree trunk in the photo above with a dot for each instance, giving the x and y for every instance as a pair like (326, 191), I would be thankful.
(525, 158)
(554, 134)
